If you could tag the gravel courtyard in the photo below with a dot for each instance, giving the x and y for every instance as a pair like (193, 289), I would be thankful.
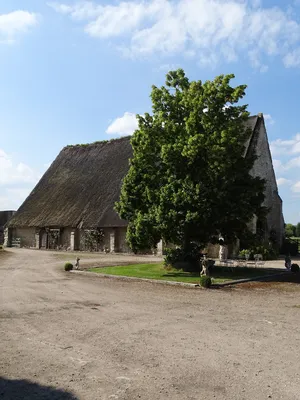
(67, 336)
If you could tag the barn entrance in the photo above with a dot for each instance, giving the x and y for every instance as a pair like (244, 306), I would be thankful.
(50, 239)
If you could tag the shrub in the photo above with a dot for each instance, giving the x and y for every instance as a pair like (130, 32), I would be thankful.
(68, 266)
(186, 259)
(205, 281)
(268, 252)
(244, 253)
(93, 239)
(295, 268)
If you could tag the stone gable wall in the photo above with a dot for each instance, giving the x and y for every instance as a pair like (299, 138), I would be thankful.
(263, 168)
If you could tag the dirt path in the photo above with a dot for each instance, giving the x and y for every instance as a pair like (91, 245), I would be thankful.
(105, 339)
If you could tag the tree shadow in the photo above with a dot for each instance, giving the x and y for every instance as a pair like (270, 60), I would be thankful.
(242, 272)
(15, 389)
(230, 274)
(281, 277)
(182, 274)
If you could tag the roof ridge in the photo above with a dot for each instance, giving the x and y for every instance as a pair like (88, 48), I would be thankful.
(97, 142)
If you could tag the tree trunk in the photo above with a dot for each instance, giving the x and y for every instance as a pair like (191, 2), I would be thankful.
(186, 241)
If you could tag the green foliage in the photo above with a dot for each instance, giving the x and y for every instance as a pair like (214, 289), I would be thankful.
(273, 239)
(267, 251)
(188, 178)
(298, 229)
(205, 281)
(93, 239)
(295, 268)
(91, 144)
(245, 253)
(290, 230)
(289, 246)
(187, 259)
(68, 266)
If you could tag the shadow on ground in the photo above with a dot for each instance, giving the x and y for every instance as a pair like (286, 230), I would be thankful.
(13, 389)
(270, 280)
(4, 254)
(241, 273)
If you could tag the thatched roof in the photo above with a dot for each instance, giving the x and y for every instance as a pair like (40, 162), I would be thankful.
(5, 216)
(79, 189)
(82, 185)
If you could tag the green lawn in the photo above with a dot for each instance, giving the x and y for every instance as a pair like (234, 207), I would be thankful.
(157, 271)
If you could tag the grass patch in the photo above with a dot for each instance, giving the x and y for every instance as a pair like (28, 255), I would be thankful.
(157, 271)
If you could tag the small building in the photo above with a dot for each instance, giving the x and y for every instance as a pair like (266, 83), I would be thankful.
(4, 218)
(72, 207)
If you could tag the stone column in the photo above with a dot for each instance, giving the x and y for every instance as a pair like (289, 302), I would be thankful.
(253, 224)
(159, 247)
(112, 242)
(7, 237)
(37, 240)
(223, 253)
(72, 241)
(236, 247)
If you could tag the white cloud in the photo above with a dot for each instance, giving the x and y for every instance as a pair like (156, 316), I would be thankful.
(123, 126)
(168, 67)
(82, 11)
(60, 8)
(292, 59)
(296, 187)
(16, 181)
(278, 166)
(281, 167)
(12, 173)
(283, 181)
(268, 119)
(210, 31)
(15, 23)
(286, 147)
(293, 163)
(256, 3)
(11, 199)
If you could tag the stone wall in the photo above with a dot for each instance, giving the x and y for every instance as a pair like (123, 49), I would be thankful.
(27, 236)
(65, 238)
(114, 239)
(122, 245)
(263, 168)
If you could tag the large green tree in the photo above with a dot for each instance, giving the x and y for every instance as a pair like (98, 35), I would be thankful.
(290, 230)
(298, 230)
(188, 178)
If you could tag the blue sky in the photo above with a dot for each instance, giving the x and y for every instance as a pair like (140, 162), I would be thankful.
(78, 71)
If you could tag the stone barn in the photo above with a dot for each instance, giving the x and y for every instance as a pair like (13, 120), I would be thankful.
(72, 207)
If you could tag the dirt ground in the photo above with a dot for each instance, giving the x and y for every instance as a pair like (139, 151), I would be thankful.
(67, 336)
